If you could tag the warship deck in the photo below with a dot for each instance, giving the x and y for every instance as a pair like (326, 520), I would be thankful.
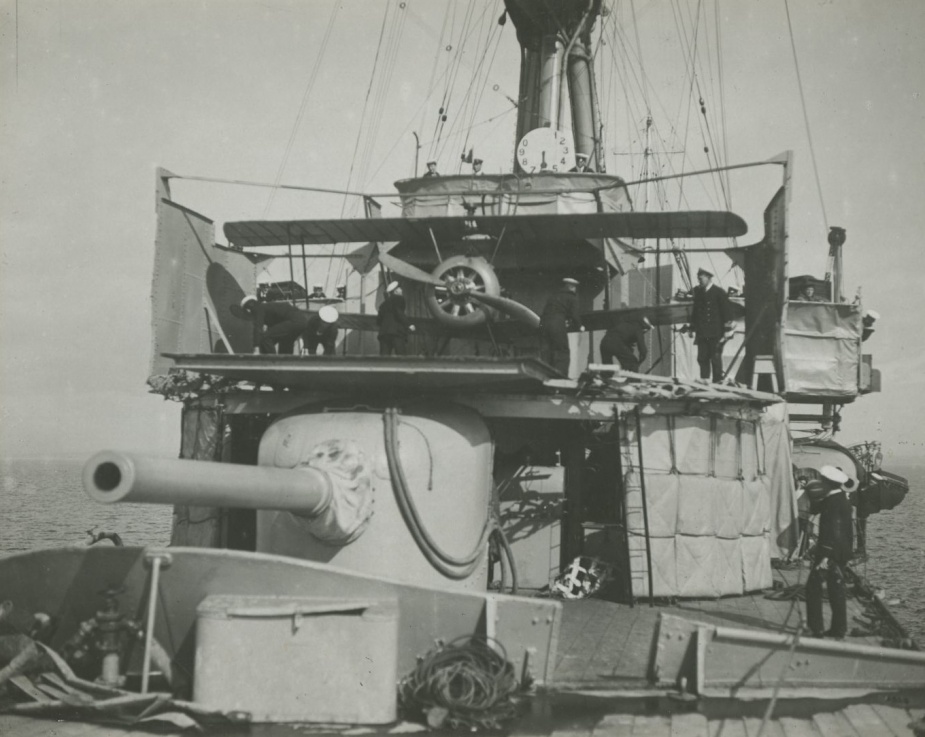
(608, 647)
(601, 685)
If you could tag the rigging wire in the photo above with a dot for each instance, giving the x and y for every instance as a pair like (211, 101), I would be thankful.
(809, 135)
(720, 71)
(304, 104)
(476, 103)
(371, 117)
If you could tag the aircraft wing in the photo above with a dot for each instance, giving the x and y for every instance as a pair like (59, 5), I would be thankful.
(502, 330)
(675, 313)
(549, 227)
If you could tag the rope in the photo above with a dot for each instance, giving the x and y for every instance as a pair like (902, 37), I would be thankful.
(305, 95)
(466, 684)
(809, 136)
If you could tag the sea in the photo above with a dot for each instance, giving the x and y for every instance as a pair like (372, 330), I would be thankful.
(43, 505)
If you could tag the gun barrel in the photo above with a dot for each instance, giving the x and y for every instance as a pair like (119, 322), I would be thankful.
(112, 476)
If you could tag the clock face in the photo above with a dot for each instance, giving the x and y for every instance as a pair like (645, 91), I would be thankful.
(545, 149)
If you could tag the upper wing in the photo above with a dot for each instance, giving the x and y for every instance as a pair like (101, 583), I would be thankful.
(548, 227)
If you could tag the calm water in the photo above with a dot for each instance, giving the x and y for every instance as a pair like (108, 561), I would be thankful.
(42, 504)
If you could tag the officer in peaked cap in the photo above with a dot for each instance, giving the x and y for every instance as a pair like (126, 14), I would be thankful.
(831, 555)
(477, 167)
(559, 314)
(277, 325)
(431, 169)
(710, 319)
(321, 330)
(393, 323)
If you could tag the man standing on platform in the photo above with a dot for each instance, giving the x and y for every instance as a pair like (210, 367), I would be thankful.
(710, 319)
(560, 313)
(394, 325)
(832, 552)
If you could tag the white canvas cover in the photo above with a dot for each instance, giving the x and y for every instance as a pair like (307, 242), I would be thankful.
(822, 348)
(718, 491)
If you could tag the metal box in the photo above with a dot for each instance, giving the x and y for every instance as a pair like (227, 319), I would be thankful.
(288, 659)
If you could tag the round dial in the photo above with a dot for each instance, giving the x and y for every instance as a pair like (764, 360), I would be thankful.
(545, 149)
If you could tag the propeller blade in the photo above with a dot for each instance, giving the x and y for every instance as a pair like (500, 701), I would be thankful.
(519, 312)
(403, 268)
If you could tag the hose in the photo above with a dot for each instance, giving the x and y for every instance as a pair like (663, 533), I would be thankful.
(456, 568)
(511, 566)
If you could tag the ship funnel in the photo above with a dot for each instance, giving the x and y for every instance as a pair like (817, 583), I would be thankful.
(112, 476)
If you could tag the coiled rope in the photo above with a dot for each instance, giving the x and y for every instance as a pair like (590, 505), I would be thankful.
(466, 684)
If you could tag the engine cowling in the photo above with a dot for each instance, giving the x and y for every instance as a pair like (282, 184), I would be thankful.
(452, 304)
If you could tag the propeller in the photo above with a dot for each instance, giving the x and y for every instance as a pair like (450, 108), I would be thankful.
(509, 307)
(403, 268)
(457, 284)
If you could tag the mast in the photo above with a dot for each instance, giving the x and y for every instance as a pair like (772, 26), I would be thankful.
(556, 61)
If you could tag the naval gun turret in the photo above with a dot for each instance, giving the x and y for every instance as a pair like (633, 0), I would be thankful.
(399, 493)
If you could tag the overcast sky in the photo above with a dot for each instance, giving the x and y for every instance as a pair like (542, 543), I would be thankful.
(94, 95)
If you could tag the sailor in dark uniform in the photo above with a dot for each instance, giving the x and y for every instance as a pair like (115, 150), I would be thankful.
(832, 552)
(431, 169)
(710, 319)
(560, 313)
(393, 323)
(277, 325)
(618, 343)
(321, 330)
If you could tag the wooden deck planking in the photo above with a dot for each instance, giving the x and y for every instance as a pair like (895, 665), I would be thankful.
(655, 726)
(15, 725)
(896, 719)
(798, 727)
(835, 725)
(689, 725)
(614, 725)
(732, 727)
(866, 721)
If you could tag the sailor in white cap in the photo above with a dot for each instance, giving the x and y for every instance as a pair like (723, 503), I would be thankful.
(560, 314)
(393, 323)
(581, 163)
(321, 330)
(832, 552)
(867, 321)
(619, 341)
(277, 325)
(711, 318)
(431, 169)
